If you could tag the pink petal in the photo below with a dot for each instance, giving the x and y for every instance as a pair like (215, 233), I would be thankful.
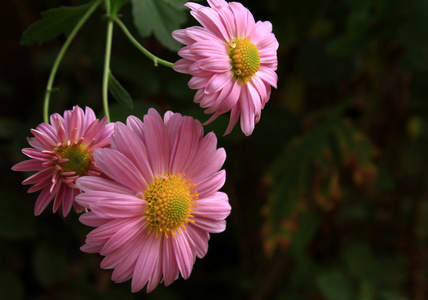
(91, 219)
(169, 265)
(129, 230)
(183, 254)
(196, 83)
(247, 112)
(28, 165)
(127, 142)
(67, 202)
(209, 19)
(210, 49)
(261, 30)
(43, 200)
(219, 82)
(200, 240)
(268, 75)
(243, 19)
(40, 176)
(157, 142)
(214, 207)
(181, 36)
(213, 226)
(118, 167)
(211, 184)
(183, 150)
(115, 206)
(215, 64)
(94, 183)
(46, 141)
(182, 66)
(217, 3)
(136, 125)
(146, 262)
(234, 116)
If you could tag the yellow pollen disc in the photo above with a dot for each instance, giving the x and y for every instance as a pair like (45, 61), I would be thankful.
(170, 204)
(79, 159)
(244, 58)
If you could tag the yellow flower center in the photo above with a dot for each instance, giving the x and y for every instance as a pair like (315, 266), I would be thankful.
(170, 204)
(245, 59)
(79, 159)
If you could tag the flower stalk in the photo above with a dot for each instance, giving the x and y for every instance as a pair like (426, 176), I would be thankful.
(60, 56)
(156, 60)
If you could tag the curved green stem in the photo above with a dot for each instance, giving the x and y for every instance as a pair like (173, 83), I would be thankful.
(107, 57)
(156, 60)
(61, 53)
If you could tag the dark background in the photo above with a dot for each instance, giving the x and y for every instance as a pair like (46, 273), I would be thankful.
(329, 194)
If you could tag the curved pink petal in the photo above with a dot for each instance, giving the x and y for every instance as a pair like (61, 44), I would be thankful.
(183, 254)
(118, 167)
(200, 239)
(93, 183)
(214, 207)
(157, 142)
(146, 262)
(28, 165)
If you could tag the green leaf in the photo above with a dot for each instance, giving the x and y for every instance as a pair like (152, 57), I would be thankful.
(54, 22)
(360, 262)
(116, 5)
(118, 92)
(335, 286)
(159, 17)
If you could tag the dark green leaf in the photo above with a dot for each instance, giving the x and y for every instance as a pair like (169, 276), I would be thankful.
(11, 286)
(16, 220)
(50, 265)
(159, 17)
(335, 286)
(360, 262)
(116, 5)
(118, 92)
(54, 22)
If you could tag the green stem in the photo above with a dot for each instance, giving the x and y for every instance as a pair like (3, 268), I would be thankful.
(61, 53)
(156, 60)
(107, 57)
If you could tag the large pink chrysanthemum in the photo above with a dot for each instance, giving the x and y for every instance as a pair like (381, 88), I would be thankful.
(232, 60)
(159, 202)
(62, 151)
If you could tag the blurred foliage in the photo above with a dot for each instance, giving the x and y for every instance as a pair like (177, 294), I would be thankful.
(329, 195)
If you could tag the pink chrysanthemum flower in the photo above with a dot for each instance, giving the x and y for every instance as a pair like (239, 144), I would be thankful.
(232, 60)
(62, 152)
(159, 202)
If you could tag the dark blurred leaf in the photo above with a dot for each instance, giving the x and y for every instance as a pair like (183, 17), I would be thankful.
(54, 22)
(49, 265)
(308, 224)
(391, 296)
(159, 17)
(291, 169)
(335, 286)
(16, 222)
(360, 262)
(318, 68)
(11, 287)
(118, 92)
